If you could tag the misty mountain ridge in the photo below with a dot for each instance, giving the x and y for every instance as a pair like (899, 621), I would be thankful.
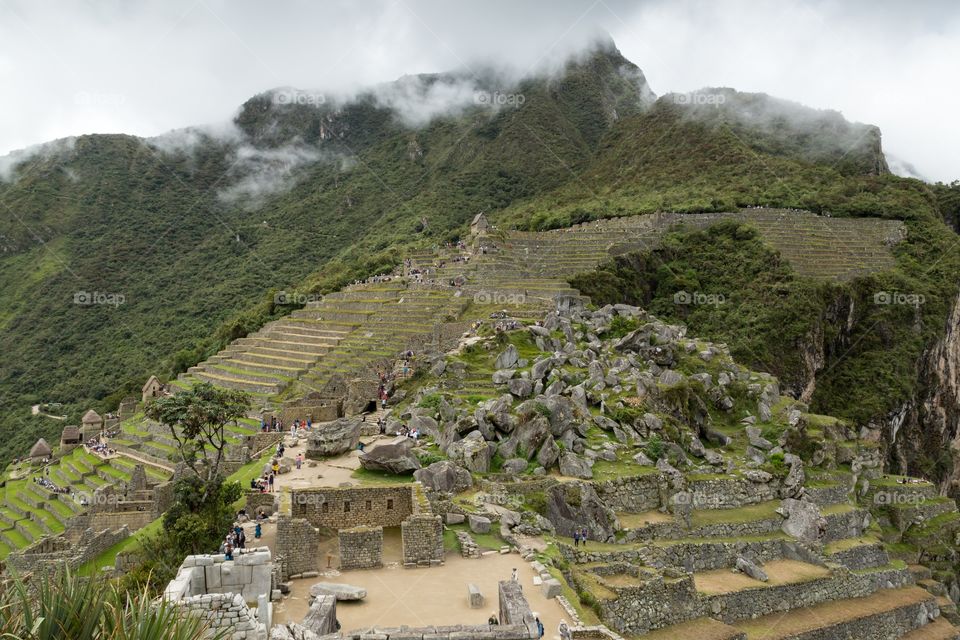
(306, 191)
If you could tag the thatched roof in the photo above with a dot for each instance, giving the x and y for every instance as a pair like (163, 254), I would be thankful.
(70, 434)
(41, 449)
(92, 417)
(151, 382)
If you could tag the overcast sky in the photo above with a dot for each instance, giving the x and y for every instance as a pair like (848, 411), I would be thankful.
(69, 68)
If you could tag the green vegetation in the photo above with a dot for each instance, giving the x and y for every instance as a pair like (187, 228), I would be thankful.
(65, 605)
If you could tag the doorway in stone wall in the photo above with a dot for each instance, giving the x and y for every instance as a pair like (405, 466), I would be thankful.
(329, 548)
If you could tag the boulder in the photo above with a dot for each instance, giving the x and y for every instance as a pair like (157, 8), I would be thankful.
(571, 506)
(503, 376)
(396, 456)
(333, 438)
(749, 568)
(478, 524)
(472, 452)
(507, 358)
(803, 520)
(514, 466)
(444, 476)
(549, 452)
(574, 466)
(756, 440)
(342, 592)
(520, 387)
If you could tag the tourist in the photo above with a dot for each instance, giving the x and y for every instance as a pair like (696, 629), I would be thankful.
(515, 576)
(242, 539)
(576, 537)
(309, 424)
(583, 537)
(257, 531)
(540, 629)
(493, 620)
(563, 630)
(360, 446)
(228, 552)
(276, 467)
(270, 482)
(299, 460)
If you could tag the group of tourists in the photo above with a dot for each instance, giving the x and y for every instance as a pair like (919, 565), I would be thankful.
(100, 448)
(236, 539)
(51, 486)
(580, 537)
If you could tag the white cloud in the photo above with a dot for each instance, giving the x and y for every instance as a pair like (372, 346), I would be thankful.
(146, 68)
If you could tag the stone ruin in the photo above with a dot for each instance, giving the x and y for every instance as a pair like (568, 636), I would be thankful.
(222, 591)
(358, 515)
(516, 623)
(71, 549)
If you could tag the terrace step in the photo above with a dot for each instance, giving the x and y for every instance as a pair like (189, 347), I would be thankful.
(888, 614)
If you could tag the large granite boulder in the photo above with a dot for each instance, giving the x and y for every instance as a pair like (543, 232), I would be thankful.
(333, 438)
(444, 476)
(396, 456)
(472, 452)
(803, 520)
(574, 466)
(572, 506)
(341, 591)
(527, 438)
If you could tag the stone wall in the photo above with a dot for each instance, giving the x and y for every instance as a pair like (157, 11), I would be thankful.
(631, 495)
(258, 500)
(55, 553)
(134, 520)
(348, 507)
(259, 441)
(422, 540)
(361, 547)
(298, 543)
(248, 575)
(730, 493)
(127, 561)
(226, 613)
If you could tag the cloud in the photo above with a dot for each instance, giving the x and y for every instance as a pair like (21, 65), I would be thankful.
(10, 163)
(258, 173)
(149, 67)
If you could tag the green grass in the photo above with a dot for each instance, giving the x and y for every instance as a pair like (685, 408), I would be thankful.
(109, 556)
(367, 477)
(749, 513)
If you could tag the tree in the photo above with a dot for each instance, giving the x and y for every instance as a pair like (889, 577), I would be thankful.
(197, 419)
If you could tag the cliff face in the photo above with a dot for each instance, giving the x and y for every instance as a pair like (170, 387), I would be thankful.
(923, 434)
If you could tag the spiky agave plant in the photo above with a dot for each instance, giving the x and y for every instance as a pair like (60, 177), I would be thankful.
(63, 605)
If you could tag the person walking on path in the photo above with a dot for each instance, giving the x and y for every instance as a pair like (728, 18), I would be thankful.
(299, 460)
(563, 630)
(576, 537)
(271, 482)
(516, 575)
(258, 531)
(540, 629)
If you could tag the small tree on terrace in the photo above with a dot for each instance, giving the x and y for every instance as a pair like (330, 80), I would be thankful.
(197, 419)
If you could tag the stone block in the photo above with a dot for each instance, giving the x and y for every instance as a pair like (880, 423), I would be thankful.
(476, 598)
(213, 577)
(455, 518)
(479, 524)
(551, 588)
